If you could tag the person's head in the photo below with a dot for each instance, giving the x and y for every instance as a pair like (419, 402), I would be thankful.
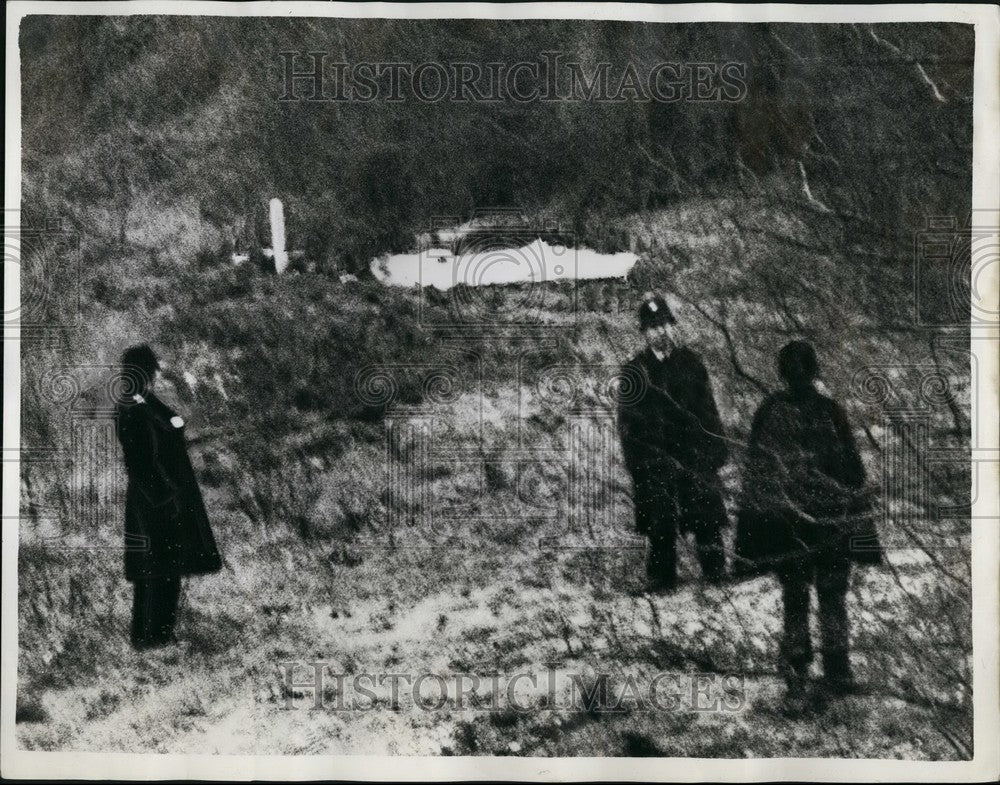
(798, 365)
(139, 364)
(657, 323)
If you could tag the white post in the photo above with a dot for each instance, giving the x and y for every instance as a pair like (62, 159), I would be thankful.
(278, 236)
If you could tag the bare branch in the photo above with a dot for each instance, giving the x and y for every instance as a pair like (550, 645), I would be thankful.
(907, 58)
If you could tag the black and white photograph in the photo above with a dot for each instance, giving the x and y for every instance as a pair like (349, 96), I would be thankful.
(516, 391)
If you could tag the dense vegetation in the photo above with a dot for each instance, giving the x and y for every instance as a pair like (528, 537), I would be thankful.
(135, 148)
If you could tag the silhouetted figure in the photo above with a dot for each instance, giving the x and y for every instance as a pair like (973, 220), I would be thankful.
(804, 514)
(167, 533)
(673, 444)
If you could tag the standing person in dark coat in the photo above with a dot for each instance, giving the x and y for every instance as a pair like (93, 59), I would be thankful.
(167, 533)
(804, 514)
(673, 444)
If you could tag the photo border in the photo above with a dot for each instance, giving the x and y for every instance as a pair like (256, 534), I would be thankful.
(985, 552)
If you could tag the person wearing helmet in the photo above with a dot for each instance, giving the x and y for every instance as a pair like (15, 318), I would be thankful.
(673, 444)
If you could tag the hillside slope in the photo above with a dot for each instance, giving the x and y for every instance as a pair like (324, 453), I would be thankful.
(499, 566)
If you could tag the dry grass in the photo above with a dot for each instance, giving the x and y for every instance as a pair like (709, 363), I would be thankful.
(322, 563)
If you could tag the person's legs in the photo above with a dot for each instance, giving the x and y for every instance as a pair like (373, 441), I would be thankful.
(645, 504)
(796, 647)
(832, 577)
(661, 567)
(154, 611)
(655, 510)
(703, 512)
(711, 555)
(170, 592)
(142, 613)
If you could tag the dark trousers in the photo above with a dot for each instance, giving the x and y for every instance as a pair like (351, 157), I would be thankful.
(666, 506)
(829, 571)
(154, 611)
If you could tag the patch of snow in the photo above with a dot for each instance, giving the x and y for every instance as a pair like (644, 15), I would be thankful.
(537, 261)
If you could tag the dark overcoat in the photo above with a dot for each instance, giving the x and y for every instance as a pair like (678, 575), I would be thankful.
(671, 434)
(667, 417)
(167, 532)
(803, 487)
